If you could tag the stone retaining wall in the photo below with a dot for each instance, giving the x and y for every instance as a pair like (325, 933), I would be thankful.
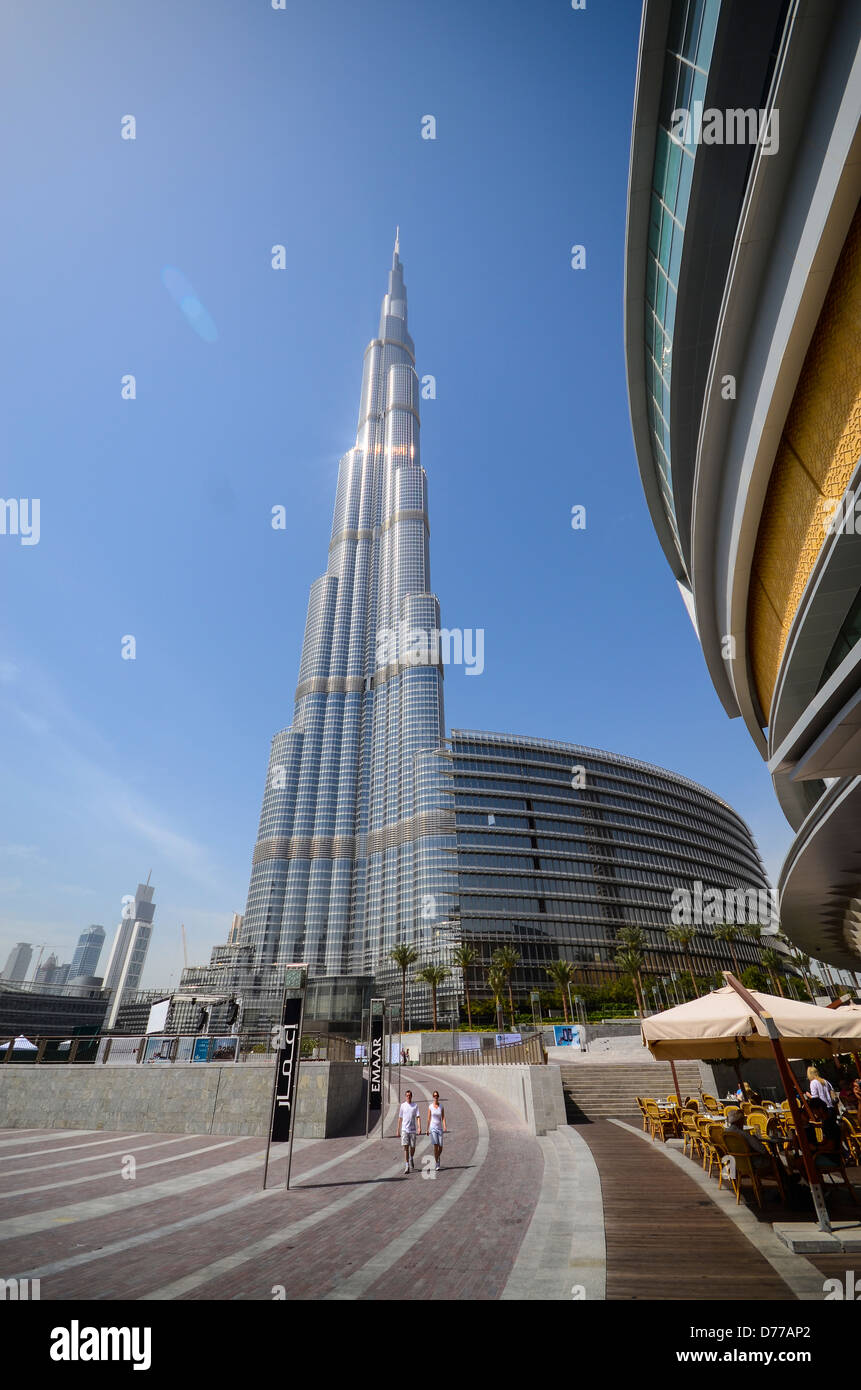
(176, 1099)
(535, 1092)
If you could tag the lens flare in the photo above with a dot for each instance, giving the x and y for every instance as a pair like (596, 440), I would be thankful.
(182, 293)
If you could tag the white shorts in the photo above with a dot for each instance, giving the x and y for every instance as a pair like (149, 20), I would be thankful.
(408, 1138)
(435, 1136)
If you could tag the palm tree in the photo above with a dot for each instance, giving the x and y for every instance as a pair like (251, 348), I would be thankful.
(433, 975)
(772, 960)
(496, 979)
(563, 973)
(464, 958)
(729, 933)
(803, 963)
(683, 936)
(507, 958)
(403, 956)
(633, 940)
(630, 962)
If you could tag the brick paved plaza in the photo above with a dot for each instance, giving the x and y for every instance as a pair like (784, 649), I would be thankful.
(590, 1210)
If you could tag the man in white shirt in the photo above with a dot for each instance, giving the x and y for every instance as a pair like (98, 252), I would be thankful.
(409, 1125)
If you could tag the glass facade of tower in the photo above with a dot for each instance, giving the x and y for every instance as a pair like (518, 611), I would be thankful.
(350, 855)
(86, 957)
(689, 52)
(559, 847)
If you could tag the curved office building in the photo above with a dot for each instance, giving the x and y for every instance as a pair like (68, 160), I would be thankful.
(560, 847)
(743, 346)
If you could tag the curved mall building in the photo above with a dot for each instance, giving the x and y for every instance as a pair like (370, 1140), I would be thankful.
(560, 847)
(743, 347)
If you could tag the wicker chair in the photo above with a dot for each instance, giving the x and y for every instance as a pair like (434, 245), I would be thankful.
(760, 1121)
(716, 1134)
(851, 1138)
(658, 1123)
(691, 1133)
(711, 1154)
(742, 1165)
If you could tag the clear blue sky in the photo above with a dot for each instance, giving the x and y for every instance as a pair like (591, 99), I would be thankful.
(303, 127)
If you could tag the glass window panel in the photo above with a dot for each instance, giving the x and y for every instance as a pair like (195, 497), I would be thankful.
(666, 240)
(693, 21)
(662, 145)
(660, 296)
(674, 158)
(677, 26)
(655, 225)
(651, 277)
(676, 254)
(707, 34)
(684, 89)
(686, 173)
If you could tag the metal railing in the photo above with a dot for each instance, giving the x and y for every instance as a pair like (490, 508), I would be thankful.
(133, 1049)
(529, 1050)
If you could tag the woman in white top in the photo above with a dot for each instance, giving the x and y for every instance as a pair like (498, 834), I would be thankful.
(436, 1126)
(820, 1089)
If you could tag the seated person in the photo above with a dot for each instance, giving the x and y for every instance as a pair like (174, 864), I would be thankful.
(844, 1089)
(747, 1093)
(735, 1123)
(827, 1150)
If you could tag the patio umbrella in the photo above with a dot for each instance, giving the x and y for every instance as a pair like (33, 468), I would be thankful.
(727, 1026)
(734, 1023)
(21, 1044)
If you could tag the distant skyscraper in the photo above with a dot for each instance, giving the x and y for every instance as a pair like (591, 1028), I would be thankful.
(235, 929)
(46, 972)
(128, 953)
(87, 952)
(18, 961)
(349, 858)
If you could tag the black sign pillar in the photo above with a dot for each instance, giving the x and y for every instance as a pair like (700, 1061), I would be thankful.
(288, 1038)
(375, 1059)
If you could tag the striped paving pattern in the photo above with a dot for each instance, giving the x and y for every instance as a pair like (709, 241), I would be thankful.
(192, 1223)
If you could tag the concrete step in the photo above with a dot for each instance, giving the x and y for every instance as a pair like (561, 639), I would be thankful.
(605, 1088)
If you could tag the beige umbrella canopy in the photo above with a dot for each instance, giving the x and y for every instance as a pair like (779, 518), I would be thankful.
(721, 1026)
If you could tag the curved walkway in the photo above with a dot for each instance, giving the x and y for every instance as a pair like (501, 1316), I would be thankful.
(193, 1223)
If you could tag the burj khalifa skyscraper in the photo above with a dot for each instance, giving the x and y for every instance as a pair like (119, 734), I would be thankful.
(353, 851)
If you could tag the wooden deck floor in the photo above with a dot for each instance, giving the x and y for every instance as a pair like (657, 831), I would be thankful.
(666, 1239)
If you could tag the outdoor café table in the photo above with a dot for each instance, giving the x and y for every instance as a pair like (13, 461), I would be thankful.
(772, 1142)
